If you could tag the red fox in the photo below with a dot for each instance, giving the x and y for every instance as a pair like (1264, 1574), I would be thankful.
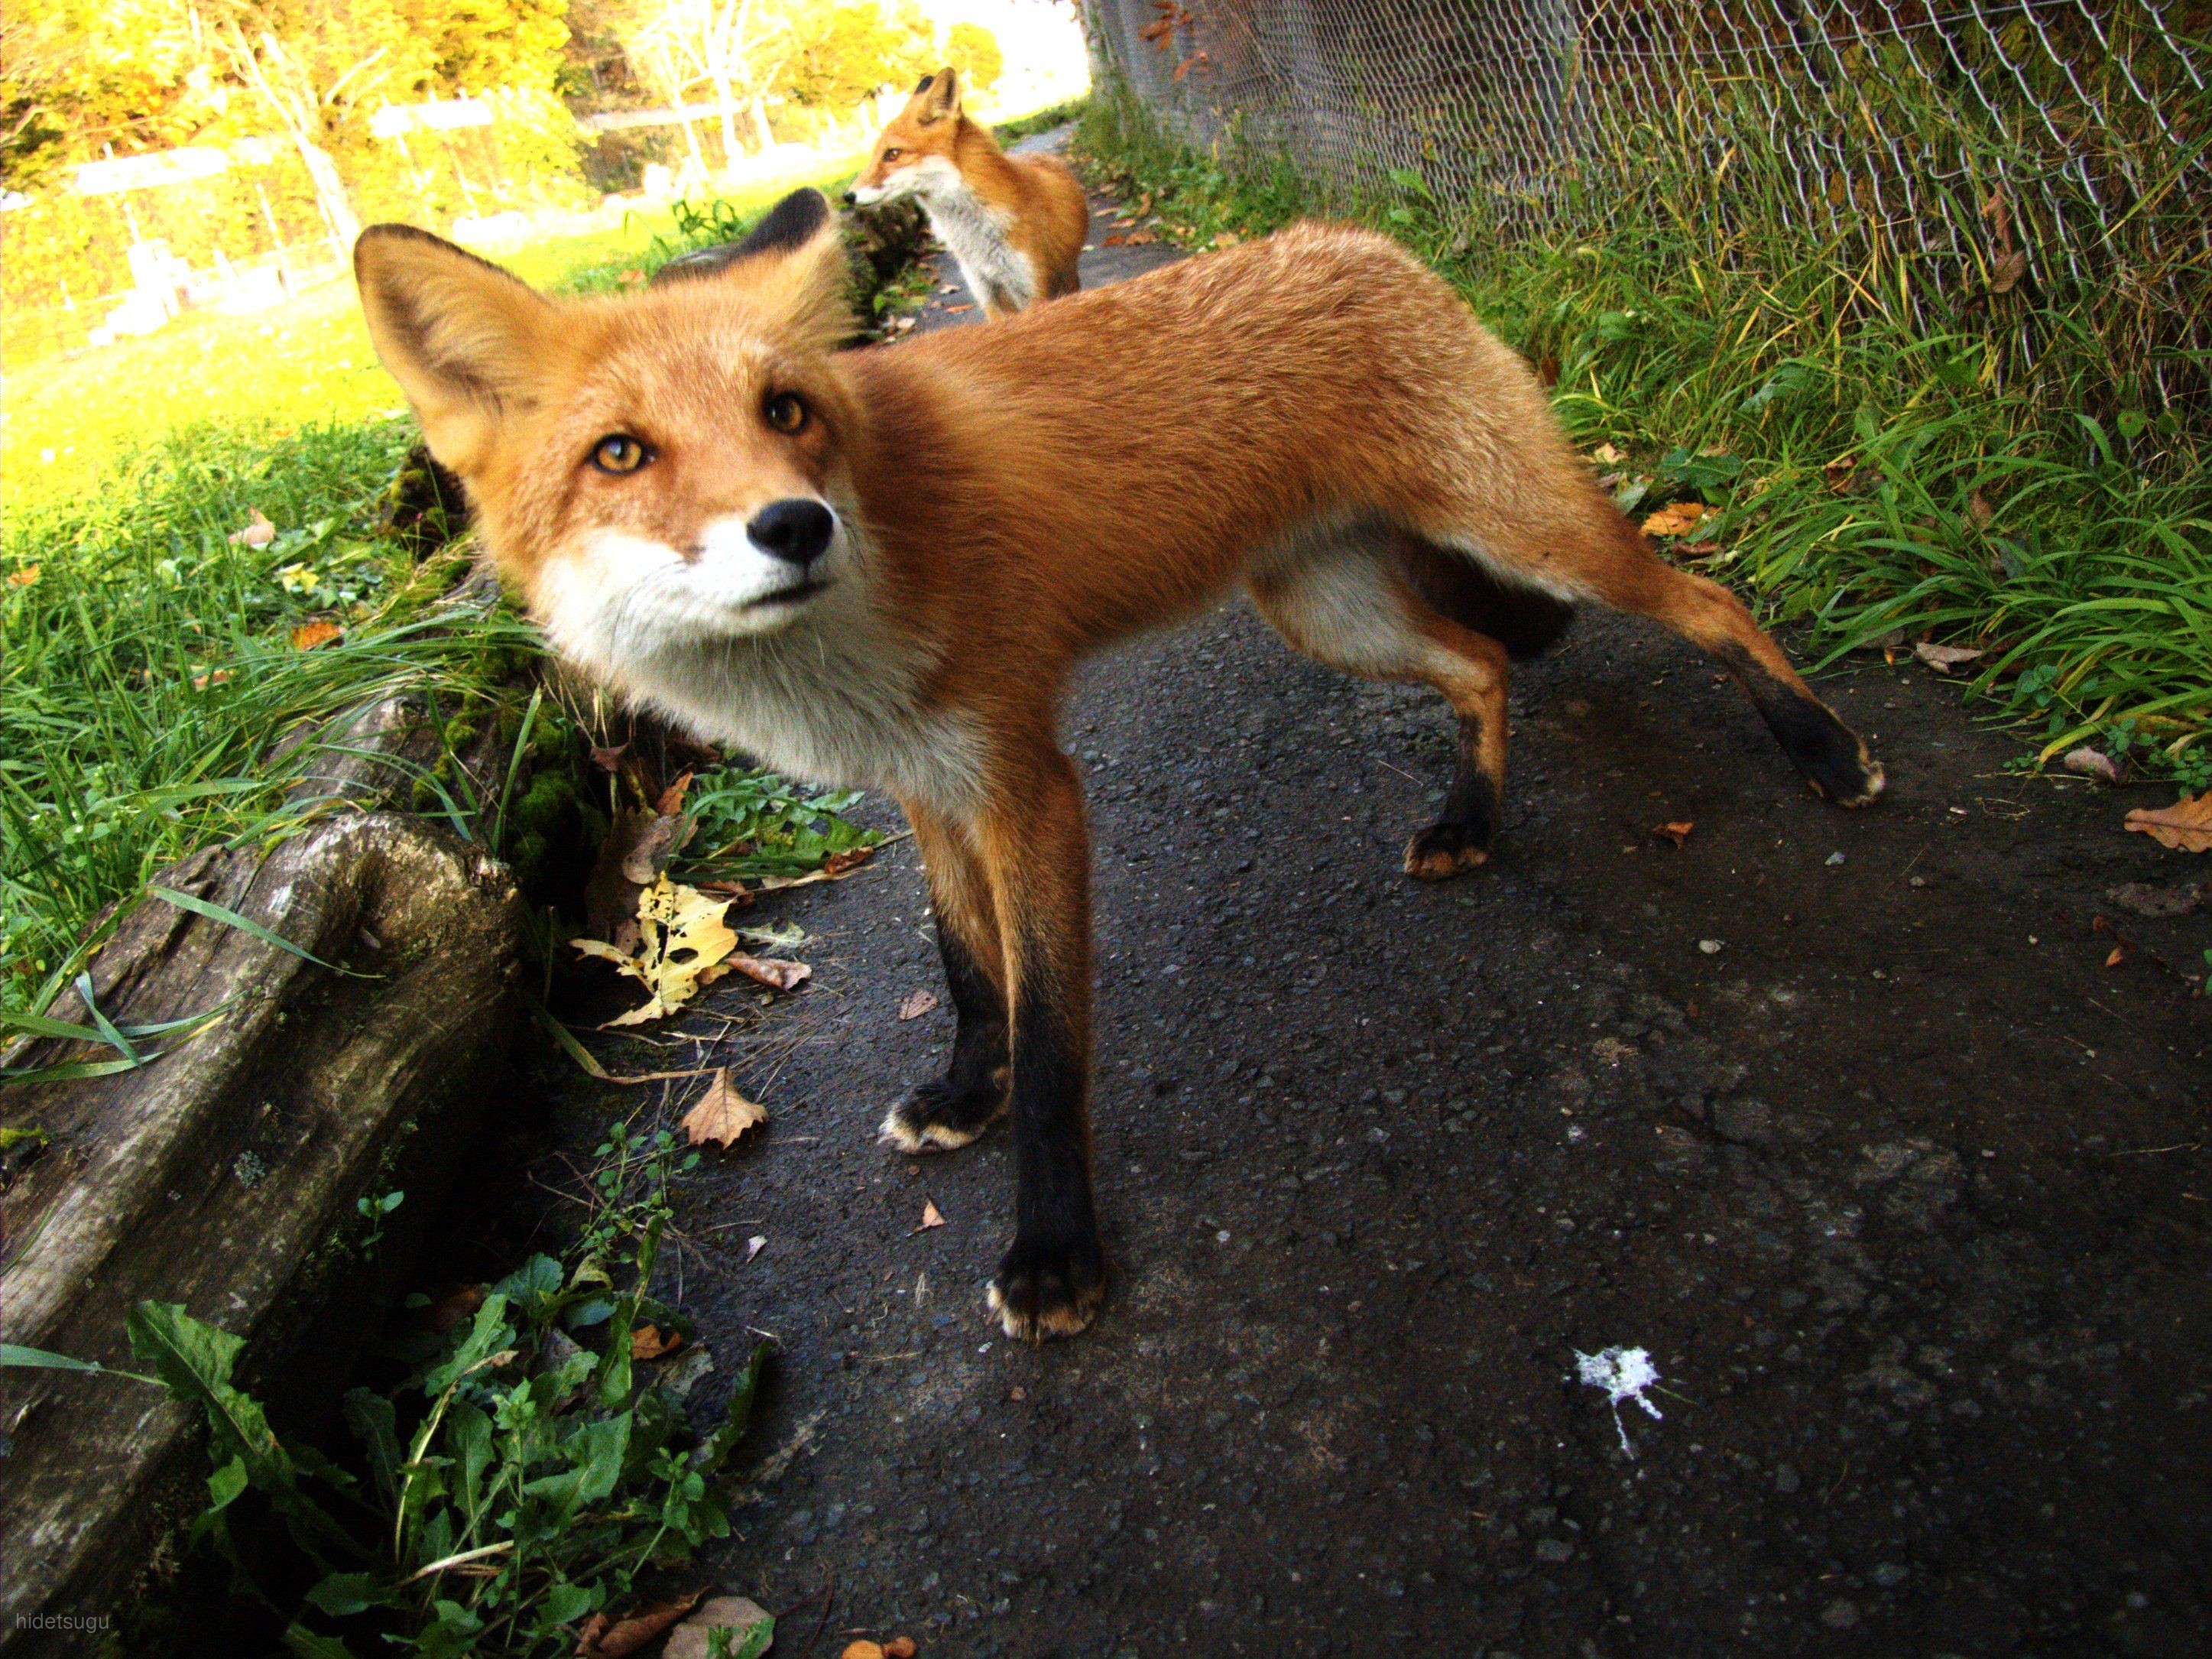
(1015, 223)
(878, 568)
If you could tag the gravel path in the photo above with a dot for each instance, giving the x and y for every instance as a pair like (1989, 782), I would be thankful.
(1903, 1189)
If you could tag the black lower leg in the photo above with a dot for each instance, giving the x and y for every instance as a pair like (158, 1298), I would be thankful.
(1053, 1277)
(952, 1110)
(1460, 836)
(1821, 747)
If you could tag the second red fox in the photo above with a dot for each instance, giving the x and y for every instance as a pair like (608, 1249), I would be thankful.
(879, 567)
(1014, 223)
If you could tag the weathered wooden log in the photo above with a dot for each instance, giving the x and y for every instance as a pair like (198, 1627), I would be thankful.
(226, 1175)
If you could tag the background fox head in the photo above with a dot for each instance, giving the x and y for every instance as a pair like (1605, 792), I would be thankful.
(914, 153)
(657, 471)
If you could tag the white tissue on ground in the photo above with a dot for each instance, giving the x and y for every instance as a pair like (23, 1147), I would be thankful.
(1624, 1374)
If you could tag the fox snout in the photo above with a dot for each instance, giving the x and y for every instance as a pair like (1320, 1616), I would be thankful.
(795, 530)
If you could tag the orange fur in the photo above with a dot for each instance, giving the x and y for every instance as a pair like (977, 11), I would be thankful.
(1314, 417)
(1015, 223)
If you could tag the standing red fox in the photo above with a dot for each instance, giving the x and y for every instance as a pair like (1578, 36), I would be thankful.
(878, 568)
(1015, 223)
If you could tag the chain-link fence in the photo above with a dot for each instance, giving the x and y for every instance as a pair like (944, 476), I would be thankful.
(1949, 151)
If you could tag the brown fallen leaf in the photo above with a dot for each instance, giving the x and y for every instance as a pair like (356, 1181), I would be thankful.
(2092, 763)
(449, 1310)
(864, 1648)
(1113, 241)
(601, 1637)
(24, 577)
(1842, 474)
(1677, 832)
(309, 634)
(646, 1342)
(2186, 826)
(722, 1113)
(1979, 510)
(215, 676)
(2008, 271)
(2119, 954)
(258, 532)
(607, 759)
(930, 1217)
(671, 799)
(690, 1639)
(1606, 455)
(1945, 658)
(1142, 238)
(1697, 550)
(1678, 520)
(2145, 900)
(917, 1004)
(900, 1647)
(770, 970)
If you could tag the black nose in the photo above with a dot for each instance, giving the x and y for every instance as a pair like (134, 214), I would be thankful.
(796, 530)
(851, 200)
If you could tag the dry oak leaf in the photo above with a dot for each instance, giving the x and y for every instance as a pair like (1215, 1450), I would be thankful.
(1945, 658)
(1677, 521)
(917, 1004)
(602, 1637)
(258, 532)
(1678, 832)
(722, 1113)
(683, 944)
(307, 636)
(931, 1216)
(646, 1342)
(2186, 826)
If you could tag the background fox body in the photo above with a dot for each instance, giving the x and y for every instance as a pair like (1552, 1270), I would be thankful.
(878, 568)
(1015, 223)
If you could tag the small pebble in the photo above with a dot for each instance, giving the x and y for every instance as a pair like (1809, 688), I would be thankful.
(1711, 947)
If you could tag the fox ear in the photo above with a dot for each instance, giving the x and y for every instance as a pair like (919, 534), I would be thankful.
(791, 265)
(939, 96)
(465, 340)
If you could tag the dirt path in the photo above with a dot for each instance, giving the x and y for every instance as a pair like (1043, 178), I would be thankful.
(1903, 1189)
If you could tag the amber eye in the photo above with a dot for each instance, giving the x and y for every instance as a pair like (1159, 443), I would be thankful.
(619, 453)
(892, 152)
(785, 412)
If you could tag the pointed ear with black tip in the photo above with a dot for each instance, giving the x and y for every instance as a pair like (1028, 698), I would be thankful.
(467, 342)
(938, 94)
(792, 266)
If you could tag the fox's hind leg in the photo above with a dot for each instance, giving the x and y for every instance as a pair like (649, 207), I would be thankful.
(1828, 753)
(950, 1111)
(1348, 604)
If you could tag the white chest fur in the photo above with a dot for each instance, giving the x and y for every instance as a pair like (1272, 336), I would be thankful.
(996, 271)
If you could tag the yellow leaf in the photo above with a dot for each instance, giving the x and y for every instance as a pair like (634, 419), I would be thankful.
(307, 636)
(1677, 521)
(683, 944)
(2186, 826)
(722, 1113)
(24, 577)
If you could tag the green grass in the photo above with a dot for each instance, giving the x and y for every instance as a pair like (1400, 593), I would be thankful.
(150, 669)
(2043, 519)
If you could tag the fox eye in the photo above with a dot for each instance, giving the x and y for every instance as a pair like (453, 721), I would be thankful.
(619, 453)
(785, 412)
(892, 152)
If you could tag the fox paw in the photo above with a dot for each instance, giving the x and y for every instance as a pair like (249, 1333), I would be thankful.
(1043, 1291)
(938, 1117)
(1444, 850)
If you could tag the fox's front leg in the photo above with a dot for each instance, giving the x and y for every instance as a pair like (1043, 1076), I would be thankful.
(1037, 852)
(952, 1110)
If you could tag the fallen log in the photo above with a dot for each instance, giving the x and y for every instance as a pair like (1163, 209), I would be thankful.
(225, 1173)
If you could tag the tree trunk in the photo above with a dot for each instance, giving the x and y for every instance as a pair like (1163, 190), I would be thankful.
(225, 1173)
(760, 119)
(724, 96)
(330, 189)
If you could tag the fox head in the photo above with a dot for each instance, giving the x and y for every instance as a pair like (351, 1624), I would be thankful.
(661, 472)
(914, 154)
